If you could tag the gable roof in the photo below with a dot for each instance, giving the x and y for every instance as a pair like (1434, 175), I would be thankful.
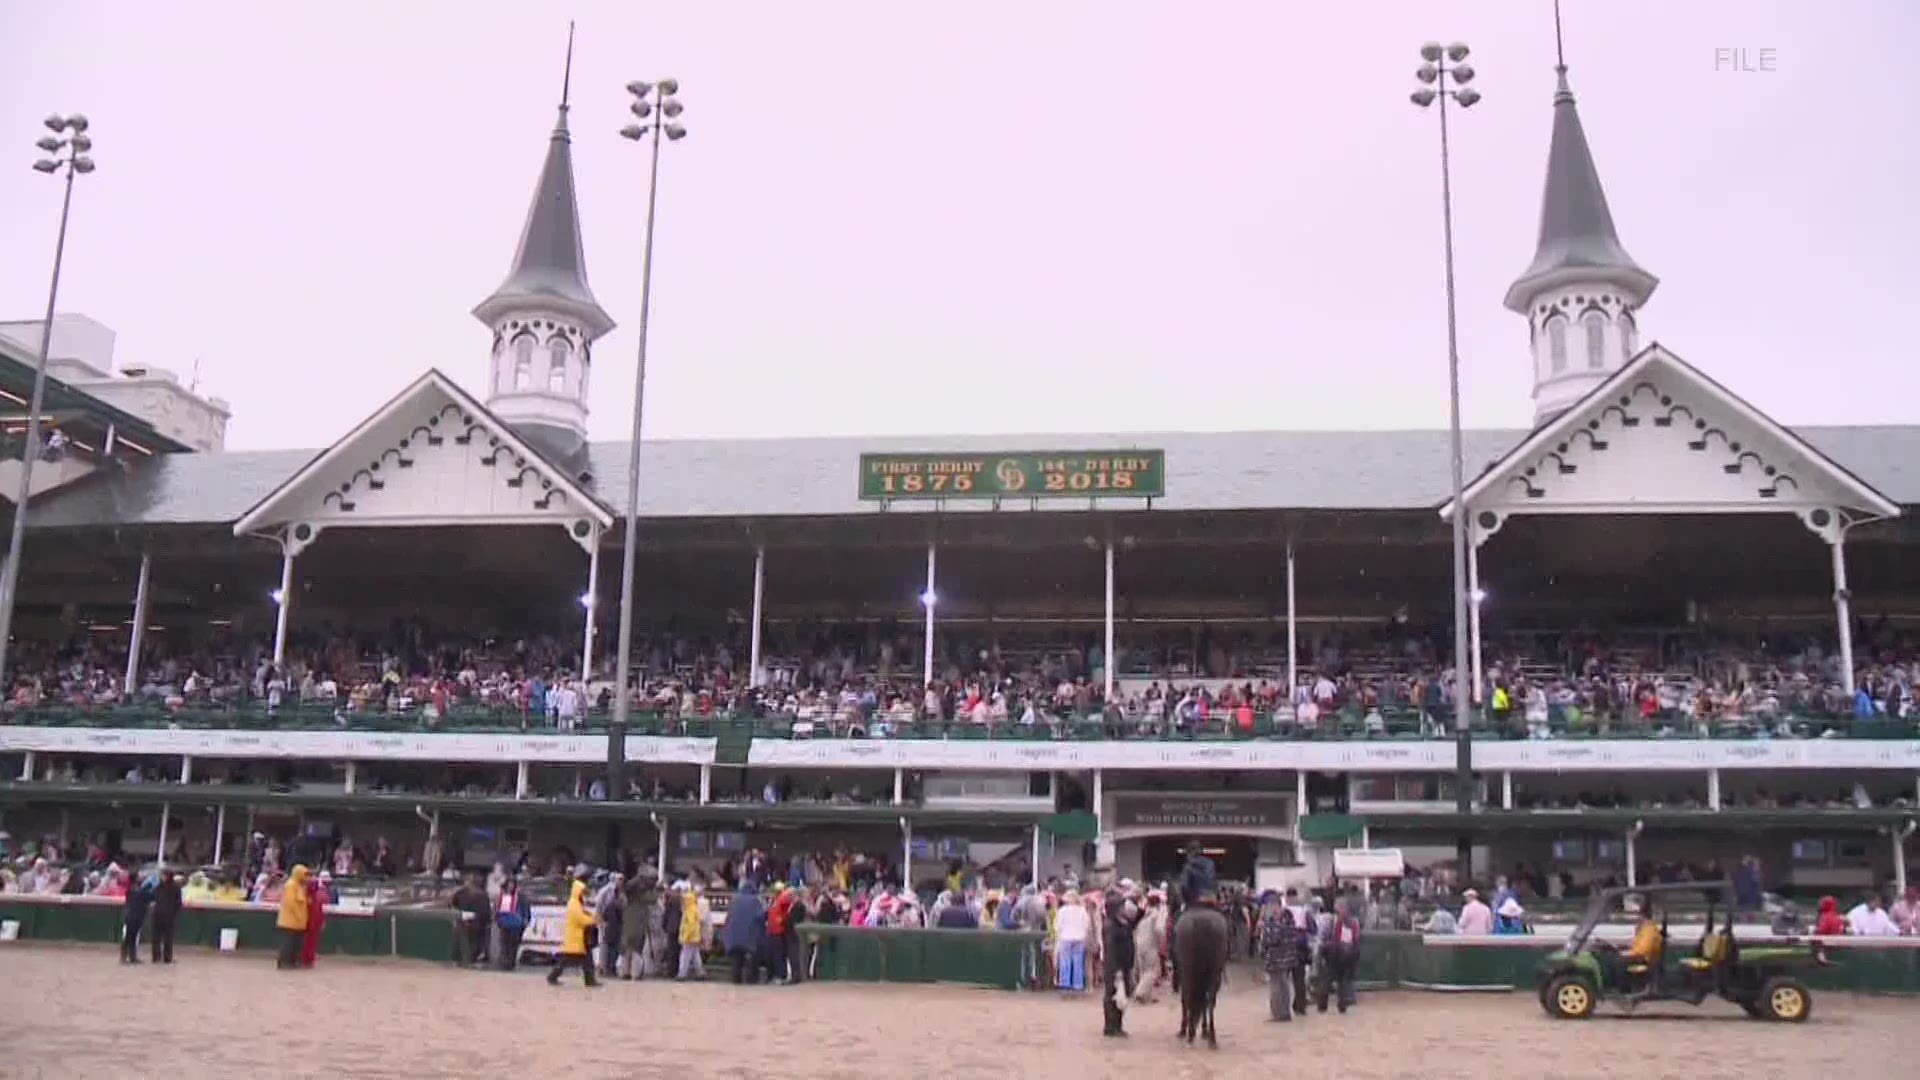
(261, 512)
(1627, 382)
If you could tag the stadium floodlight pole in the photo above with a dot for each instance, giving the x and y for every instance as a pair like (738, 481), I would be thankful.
(654, 102)
(1441, 82)
(66, 151)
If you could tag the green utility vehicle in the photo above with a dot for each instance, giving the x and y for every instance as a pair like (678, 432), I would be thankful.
(1761, 979)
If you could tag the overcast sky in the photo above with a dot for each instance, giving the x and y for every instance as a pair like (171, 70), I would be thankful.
(998, 217)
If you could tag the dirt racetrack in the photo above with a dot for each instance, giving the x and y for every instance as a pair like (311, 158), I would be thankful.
(73, 1011)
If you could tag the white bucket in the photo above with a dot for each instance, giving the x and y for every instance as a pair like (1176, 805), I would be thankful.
(10, 930)
(229, 938)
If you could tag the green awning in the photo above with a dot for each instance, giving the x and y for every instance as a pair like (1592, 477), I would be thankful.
(1072, 825)
(1330, 828)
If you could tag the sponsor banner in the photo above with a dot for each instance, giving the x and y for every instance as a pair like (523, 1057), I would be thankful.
(350, 745)
(1068, 754)
(1203, 812)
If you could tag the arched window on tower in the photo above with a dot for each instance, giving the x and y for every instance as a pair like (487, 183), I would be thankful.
(1556, 344)
(557, 366)
(1595, 325)
(1628, 344)
(523, 362)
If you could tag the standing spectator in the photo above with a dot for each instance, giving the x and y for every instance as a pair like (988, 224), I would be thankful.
(166, 915)
(1118, 953)
(139, 899)
(510, 915)
(319, 895)
(1341, 953)
(1906, 912)
(1279, 955)
(779, 927)
(1071, 929)
(1746, 883)
(741, 936)
(693, 933)
(471, 936)
(610, 907)
(1476, 918)
(292, 920)
(573, 938)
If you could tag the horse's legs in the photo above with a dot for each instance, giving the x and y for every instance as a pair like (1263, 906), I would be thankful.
(1212, 1042)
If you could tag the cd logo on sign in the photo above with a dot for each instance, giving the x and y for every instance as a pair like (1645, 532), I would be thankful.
(1009, 474)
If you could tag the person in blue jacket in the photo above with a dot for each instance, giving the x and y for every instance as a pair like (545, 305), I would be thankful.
(745, 927)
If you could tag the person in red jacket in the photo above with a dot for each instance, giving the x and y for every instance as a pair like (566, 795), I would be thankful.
(779, 924)
(1829, 920)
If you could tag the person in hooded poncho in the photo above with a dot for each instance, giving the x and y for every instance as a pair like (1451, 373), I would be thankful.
(295, 907)
(319, 895)
(573, 938)
(743, 934)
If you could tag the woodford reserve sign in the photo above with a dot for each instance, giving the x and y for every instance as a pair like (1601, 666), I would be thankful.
(1043, 474)
(1204, 812)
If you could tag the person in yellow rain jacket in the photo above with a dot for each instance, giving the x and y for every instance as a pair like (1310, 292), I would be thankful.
(292, 922)
(693, 934)
(573, 938)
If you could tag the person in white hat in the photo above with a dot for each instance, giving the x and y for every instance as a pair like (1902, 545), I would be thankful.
(1476, 918)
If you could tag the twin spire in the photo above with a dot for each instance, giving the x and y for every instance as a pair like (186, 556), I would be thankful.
(1577, 238)
(550, 267)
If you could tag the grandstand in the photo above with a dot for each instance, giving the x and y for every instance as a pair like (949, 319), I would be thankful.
(1696, 631)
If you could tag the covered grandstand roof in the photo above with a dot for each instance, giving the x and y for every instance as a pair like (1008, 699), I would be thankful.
(1244, 470)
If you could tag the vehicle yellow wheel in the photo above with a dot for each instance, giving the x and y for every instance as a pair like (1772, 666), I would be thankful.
(1570, 998)
(1786, 1000)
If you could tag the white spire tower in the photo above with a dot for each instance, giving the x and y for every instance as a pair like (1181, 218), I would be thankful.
(544, 317)
(1582, 294)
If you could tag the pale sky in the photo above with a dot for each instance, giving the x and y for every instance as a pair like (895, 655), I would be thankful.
(997, 217)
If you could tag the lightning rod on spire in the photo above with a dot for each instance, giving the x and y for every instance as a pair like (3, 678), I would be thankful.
(1559, 44)
(566, 81)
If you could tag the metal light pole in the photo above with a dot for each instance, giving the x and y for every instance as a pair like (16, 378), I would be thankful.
(1442, 82)
(653, 101)
(66, 151)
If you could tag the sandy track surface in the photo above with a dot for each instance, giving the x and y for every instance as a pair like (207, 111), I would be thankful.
(73, 1011)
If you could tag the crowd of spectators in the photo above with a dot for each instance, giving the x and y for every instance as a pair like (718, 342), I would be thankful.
(868, 681)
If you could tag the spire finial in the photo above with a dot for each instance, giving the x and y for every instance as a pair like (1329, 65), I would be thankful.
(566, 82)
(1559, 43)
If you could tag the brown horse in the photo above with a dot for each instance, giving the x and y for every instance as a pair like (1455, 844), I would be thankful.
(1200, 957)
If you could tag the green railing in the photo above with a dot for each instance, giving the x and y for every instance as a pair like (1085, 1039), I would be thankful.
(1393, 722)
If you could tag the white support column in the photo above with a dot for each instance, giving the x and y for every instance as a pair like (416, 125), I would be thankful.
(1843, 611)
(1099, 801)
(139, 625)
(1300, 807)
(1506, 790)
(754, 677)
(186, 769)
(26, 766)
(706, 784)
(160, 854)
(522, 776)
(899, 786)
(591, 602)
(219, 831)
(660, 824)
(927, 600)
(285, 601)
(1366, 838)
(1110, 669)
(1474, 596)
(1293, 635)
(1633, 861)
(906, 854)
(1900, 833)
(1037, 879)
(353, 777)
(1713, 789)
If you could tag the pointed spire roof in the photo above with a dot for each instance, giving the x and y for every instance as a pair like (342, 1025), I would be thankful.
(551, 265)
(1577, 241)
